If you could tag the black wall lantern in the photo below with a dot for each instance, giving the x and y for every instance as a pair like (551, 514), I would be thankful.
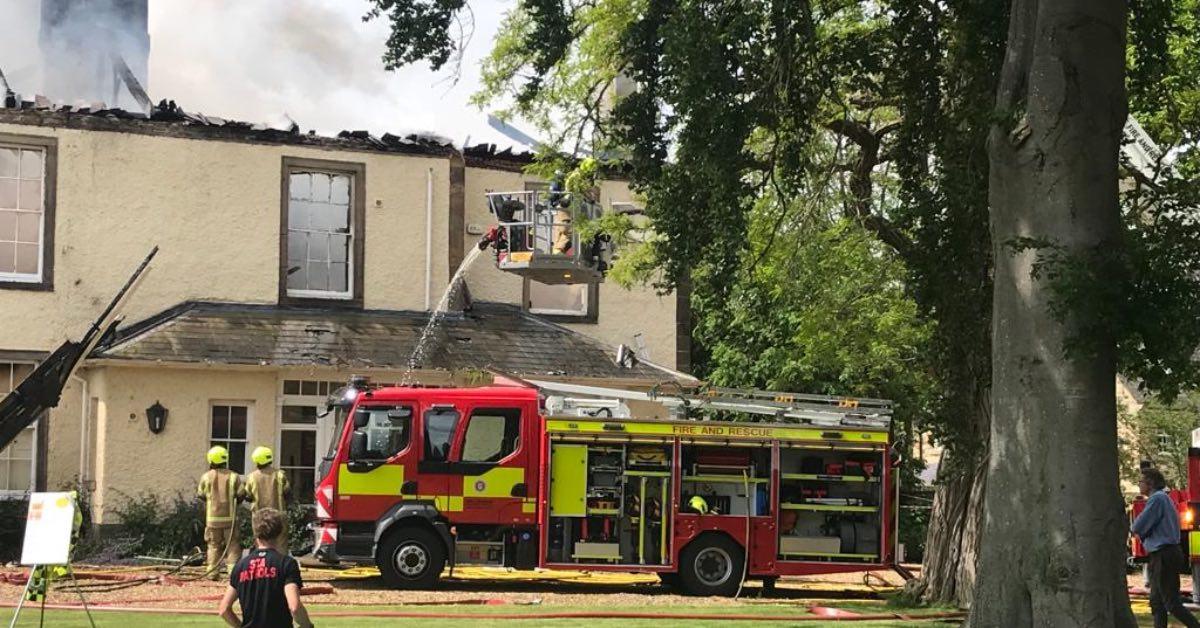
(156, 416)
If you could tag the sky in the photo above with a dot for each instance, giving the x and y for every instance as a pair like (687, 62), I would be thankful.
(314, 60)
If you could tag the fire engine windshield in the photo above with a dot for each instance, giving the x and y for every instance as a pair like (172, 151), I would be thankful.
(339, 421)
(387, 429)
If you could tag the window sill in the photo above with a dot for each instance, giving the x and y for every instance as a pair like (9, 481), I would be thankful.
(321, 302)
(583, 319)
(318, 295)
(38, 285)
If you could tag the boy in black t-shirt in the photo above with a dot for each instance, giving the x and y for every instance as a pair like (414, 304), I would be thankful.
(266, 582)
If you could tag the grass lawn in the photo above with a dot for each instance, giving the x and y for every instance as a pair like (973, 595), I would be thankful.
(77, 619)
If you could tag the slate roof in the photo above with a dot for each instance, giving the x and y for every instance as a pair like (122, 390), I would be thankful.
(490, 335)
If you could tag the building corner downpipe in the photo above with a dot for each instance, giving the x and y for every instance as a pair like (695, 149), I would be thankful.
(428, 238)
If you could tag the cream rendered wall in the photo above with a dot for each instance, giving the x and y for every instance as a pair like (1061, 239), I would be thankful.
(62, 430)
(622, 314)
(213, 208)
(132, 460)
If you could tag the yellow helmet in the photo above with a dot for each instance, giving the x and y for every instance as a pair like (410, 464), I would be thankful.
(262, 456)
(698, 504)
(218, 455)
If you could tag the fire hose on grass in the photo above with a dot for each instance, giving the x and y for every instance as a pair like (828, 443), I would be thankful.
(174, 573)
(824, 616)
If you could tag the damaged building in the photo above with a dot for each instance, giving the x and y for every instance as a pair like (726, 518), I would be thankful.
(288, 261)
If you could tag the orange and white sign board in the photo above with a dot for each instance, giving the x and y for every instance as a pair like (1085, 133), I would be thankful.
(48, 529)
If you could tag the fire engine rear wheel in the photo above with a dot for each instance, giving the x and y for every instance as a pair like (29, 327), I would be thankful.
(711, 565)
(411, 558)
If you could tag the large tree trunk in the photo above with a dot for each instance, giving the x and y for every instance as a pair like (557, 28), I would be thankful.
(952, 542)
(1051, 552)
(956, 521)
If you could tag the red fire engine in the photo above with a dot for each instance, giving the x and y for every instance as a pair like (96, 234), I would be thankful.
(556, 476)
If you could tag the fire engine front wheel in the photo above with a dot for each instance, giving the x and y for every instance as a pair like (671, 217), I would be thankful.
(411, 558)
(711, 565)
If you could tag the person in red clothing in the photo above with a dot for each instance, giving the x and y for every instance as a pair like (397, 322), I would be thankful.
(265, 581)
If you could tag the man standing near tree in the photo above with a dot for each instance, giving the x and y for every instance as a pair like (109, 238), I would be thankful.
(1158, 528)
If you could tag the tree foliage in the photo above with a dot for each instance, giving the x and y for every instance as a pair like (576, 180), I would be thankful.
(1160, 432)
(751, 127)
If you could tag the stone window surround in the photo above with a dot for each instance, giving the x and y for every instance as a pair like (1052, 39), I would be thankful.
(358, 171)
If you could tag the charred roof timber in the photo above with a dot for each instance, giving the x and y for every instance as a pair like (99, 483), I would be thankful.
(169, 119)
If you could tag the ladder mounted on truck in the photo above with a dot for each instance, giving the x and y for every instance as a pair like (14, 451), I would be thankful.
(534, 237)
(784, 407)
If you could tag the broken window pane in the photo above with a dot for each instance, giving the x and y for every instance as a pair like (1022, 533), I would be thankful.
(30, 195)
(8, 162)
(27, 258)
(28, 227)
(340, 194)
(8, 193)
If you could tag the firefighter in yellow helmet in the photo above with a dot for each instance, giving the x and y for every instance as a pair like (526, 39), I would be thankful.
(267, 487)
(220, 489)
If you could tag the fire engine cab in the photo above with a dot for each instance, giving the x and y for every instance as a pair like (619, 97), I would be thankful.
(530, 474)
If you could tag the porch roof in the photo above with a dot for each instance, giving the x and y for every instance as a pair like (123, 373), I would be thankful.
(488, 336)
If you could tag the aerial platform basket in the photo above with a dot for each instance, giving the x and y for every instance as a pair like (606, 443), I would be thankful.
(537, 238)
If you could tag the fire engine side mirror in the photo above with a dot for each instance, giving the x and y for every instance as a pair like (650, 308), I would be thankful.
(358, 445)
(361, 419)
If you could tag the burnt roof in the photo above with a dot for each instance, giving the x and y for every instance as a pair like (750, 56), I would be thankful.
(489, 336)
(168, 119)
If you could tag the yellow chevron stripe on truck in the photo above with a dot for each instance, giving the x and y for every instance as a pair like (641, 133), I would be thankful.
(713, 429)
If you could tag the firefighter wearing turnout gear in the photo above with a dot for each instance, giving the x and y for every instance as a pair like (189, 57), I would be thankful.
(267, 487)
(220, 489)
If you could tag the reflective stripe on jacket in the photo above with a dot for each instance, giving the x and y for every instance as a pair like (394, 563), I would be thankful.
(267, 488)
(219, 488)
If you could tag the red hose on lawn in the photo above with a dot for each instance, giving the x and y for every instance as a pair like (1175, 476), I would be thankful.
(528, 616)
